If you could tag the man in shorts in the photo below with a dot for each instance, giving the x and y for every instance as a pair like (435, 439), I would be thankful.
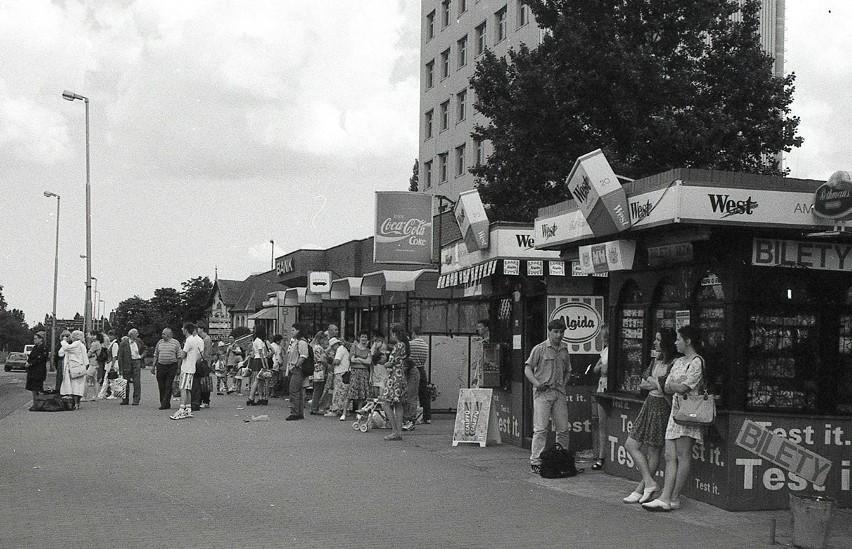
(193, 348)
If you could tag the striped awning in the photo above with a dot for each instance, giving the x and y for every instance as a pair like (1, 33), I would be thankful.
(471, 275)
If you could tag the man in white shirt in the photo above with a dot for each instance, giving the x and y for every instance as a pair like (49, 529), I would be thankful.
(193, 349)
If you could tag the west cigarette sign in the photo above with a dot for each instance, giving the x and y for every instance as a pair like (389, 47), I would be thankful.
(783, 453)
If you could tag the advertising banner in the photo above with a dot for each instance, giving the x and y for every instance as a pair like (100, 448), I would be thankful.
(403, 232)
(599, 194)
(753, 475)
(476, 423)
(607, 256)
(823, 256)
(583, 317)
(473, 221)
(833, 199)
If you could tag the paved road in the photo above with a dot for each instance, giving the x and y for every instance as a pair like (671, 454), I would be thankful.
(126, 476)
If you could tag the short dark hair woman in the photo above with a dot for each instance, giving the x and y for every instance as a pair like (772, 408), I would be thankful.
(648, 434)
(687, 374)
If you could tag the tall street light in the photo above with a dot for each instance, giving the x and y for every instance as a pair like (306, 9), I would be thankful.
(273, 253)
(49, 194)
(94, 304)
(87, 315)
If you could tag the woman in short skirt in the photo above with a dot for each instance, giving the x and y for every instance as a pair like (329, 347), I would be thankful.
(647, 437)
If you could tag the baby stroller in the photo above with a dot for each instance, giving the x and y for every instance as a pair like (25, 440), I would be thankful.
(370, 415)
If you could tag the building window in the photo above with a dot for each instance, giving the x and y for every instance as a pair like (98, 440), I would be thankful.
(461, 105)
(462, 50)
(460, 166)
(427, 124)
(445, 63)
(445, 13)
(480, 152)
(480, 39)
(430, 25)
(523, 14)
(445, 115)
(462, 7)
(442, 167)
(430, 74)
(427, 174)
(500, 25)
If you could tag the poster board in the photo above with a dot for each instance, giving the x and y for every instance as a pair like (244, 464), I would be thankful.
(475, 422)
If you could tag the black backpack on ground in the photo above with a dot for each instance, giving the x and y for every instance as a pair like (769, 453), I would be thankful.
(557, 462)
(308, 365)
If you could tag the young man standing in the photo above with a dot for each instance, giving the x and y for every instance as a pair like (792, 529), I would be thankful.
(547, 369)
(193, 348)
(298, 354)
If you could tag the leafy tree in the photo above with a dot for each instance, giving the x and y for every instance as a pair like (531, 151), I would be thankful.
(413, 182)
(195, 296)
(14, 333)
(656, 85)
(167, 307)
(138, 313)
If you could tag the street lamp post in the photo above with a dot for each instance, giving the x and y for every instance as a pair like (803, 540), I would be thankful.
(87, 315)
(94, 296)
(49, 194)
(273, 253)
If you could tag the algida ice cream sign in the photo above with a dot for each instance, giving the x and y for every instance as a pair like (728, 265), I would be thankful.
(403, 228)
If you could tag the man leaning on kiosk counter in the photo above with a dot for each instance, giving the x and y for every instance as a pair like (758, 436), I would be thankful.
(548, 368)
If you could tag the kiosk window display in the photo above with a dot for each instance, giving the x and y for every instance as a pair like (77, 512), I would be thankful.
(632, 325)
(710, 320)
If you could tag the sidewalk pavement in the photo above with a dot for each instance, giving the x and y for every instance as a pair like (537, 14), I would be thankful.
(127, 476)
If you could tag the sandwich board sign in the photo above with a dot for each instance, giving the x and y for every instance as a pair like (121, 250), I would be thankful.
(475, 422)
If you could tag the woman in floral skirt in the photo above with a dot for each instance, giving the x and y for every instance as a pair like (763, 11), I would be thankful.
(395, 388)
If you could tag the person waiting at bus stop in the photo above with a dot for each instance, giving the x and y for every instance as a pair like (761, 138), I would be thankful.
(547, 369)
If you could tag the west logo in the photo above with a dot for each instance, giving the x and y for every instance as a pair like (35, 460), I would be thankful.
(581, 191)
(724, 204)
(525, 241)
(638, 211)
(548, 231)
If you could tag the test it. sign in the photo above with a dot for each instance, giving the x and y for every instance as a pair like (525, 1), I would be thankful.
(783, 453)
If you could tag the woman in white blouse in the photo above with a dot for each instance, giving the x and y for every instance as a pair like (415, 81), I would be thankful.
(687, 374)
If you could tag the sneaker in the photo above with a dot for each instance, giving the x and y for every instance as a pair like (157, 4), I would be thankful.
(188, 413)
(408, 426)
(110, 397)
(180, 414)
(342, 417)
(535, 469)
(329, 414)
(204, 405)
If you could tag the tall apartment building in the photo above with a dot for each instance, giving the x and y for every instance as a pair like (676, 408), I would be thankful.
(454, 33)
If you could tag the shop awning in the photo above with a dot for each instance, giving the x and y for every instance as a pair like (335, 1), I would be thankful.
(344, 288)
(471, 275)
(392, 281)
(268, 313)
(299, 296)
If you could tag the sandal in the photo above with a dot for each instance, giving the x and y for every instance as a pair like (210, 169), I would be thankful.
(598, 464)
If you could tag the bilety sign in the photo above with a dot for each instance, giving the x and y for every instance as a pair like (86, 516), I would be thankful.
(823, 256)
(833, 199)
(599, 194)
(616, 255)
(472, 220)
(583, 318)
(403, 231)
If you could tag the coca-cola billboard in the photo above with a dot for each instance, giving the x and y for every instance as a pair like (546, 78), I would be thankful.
(403, 228)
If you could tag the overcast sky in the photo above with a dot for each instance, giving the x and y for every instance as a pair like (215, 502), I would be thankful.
(217, 126)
